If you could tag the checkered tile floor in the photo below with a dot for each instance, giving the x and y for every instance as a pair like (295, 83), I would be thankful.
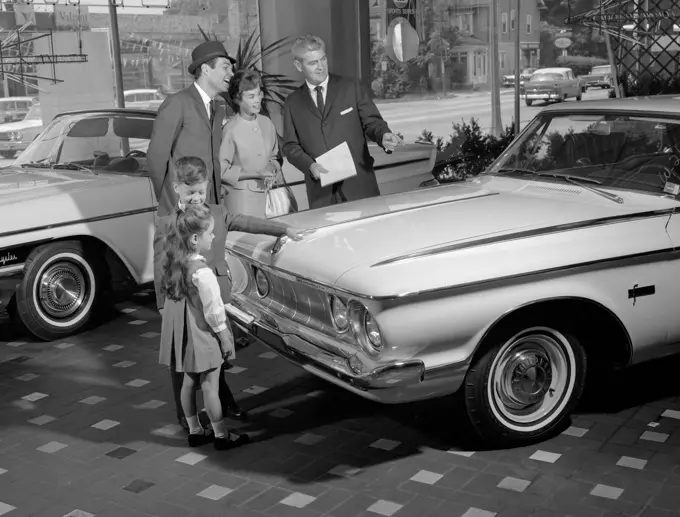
(87, 428)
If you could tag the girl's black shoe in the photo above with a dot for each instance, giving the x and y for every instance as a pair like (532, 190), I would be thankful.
(196, 440)
(223, 444)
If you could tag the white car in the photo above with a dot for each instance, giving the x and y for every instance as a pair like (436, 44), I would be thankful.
(15, 136)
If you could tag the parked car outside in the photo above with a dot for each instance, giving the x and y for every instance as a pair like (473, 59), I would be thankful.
(144, 98)
(599, 77)
(15, 136)
(552, 85)
(509, 80)
(77, 211)
(502, 291)
(14, 108)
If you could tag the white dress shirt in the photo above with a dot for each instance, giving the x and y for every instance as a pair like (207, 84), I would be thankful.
(206, 99)
(209, 291)
(324, 92)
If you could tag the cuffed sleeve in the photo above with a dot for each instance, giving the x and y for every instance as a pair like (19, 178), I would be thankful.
(250, 224)
(209, 291)
(230, 172)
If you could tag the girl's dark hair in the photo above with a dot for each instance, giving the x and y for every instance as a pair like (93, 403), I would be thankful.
(177, 248)
(243, 81)
(191, 170)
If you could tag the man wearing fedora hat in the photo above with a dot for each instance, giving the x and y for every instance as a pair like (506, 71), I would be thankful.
(189, 123)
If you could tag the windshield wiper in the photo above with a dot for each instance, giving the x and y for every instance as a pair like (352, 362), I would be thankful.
(521, 170)
(37, 165)
(71, 166)
(582, 182)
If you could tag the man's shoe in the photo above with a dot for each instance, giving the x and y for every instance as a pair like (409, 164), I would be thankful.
(237, 413)
(183, 423)
(242, 342)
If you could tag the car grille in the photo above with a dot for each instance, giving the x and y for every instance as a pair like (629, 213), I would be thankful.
(4, 137)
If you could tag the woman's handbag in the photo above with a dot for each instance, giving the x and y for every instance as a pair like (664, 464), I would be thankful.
(279, 200)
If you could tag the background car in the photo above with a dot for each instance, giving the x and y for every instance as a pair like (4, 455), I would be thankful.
(14, 108)
(552, 85)
(144, 98)
(77, 210)
(503, 291)
(509, 80)
(599, 77)
(15, 136)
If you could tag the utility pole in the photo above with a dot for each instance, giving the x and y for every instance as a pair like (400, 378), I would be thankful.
(115, 44)
(518, 69)
(496, 124)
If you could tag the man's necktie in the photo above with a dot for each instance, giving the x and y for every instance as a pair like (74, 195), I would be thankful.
(212, 111)
(319, 98)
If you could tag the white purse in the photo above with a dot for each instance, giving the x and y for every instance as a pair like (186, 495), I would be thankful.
(279, 200)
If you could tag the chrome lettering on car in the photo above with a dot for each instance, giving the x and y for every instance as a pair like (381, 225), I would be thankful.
(7, 259)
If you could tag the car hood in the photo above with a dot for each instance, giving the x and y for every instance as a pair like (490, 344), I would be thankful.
(19, 126)
(371, 231)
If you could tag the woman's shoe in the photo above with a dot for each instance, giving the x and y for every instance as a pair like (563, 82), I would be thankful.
(196, 440)
(223, 444)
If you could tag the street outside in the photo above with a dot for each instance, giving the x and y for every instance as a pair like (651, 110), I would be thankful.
(88, 428)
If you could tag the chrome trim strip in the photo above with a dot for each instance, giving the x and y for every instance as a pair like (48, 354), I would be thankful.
(536, 232)
(11, 270)
(81, 221)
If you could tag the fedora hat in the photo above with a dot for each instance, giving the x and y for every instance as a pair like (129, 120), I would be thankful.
(207, 51)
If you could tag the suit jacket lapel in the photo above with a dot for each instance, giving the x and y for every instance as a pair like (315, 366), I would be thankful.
(307, 100)
(199, 103)
(331, 95)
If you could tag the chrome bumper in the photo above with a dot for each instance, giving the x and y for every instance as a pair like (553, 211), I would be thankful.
(389, 383)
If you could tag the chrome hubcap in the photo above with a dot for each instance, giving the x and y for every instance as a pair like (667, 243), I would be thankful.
(531, 377)
(62, 290)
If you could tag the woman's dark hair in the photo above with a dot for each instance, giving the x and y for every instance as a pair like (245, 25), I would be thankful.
(177, 248)
(191, 170)
(243, 81)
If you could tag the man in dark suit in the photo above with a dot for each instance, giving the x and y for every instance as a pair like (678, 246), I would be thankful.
(324, 112)
(189, 123)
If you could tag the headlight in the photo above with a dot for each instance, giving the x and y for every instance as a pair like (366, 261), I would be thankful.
(261, 283)
(16, 136)
(372, 331)
(339, 314)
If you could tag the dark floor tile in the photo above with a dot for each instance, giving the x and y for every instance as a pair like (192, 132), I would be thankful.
(121, 453)
(138, 486)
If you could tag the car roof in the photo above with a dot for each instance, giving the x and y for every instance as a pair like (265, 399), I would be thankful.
(661, 104)
(141, 90)
(109, 111)
(554, 70)
(15, 99)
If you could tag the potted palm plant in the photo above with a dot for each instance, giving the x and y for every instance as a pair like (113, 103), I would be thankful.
(275, 87)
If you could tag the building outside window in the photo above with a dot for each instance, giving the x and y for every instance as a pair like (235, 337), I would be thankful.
(503, 59)
(512, 19)
(529, 24)
(504, 22)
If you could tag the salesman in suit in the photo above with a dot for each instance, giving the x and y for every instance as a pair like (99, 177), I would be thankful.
(324, 112)
(189, 123)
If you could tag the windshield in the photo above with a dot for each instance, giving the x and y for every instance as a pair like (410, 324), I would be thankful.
(618, 151)
(33, 113)
(108, 142)
(546, 77)
(601, 69)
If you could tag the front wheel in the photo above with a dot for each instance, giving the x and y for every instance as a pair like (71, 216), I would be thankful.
(524, 383)
(59, 290)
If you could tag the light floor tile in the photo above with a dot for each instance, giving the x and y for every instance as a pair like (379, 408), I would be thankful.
(268, 355)
(128, 310)
(27, 377)
(191, 458)
(633, 463)
(16, 344)
(52, 447)
(6, 508)
(427, 477)
(105, 425)
(33, 397)
(91, 401)
(124, 364)
(309, 439)
(236, 369)
(298, 500)
(578, 432)
(137, 383)
(608, 492)
(254, 390)
(476, 512)
(150, 334)
(113, 348)
(3, 471)
(316, 393)
(79, 513)
(671, 413)
(654, 437)
(385, 445)
(42, 420)
(170, 430)
(548, 457)
(138, 322)
(63, 346)
(214, 492)
(152, 404)
(514, 484)
(387, 508)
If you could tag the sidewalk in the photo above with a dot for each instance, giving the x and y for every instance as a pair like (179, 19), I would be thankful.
(88, 428)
